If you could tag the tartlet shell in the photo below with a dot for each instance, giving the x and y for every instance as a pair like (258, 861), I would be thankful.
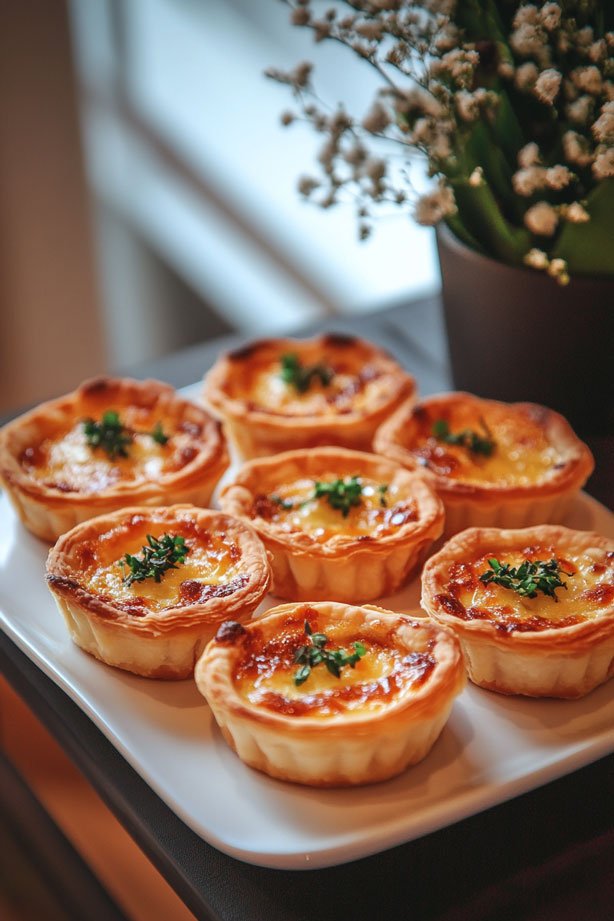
(257, 433)
(566, 662)
(489, 504)
(344, 567)
(337, 751)
(49, 512)
(162, 644)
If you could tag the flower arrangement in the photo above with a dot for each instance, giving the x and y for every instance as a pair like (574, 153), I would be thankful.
(512, 104)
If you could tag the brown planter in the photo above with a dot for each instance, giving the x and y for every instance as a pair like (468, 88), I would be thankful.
(515, 334)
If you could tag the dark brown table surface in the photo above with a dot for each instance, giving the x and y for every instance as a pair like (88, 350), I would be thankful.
(543, 856)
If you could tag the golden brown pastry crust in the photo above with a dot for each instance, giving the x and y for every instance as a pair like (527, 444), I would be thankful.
(342, 566)
(193, 460)
(472, 493)
(371, 385)
(346, 747)
(130, 632)
(568, 658)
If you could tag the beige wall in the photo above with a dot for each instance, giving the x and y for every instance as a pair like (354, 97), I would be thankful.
(50, 328)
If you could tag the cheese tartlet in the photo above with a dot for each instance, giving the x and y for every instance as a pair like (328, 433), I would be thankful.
(493, 464)
(382, 712)
(340, 525)
(278, 394)
(145, 589)
(533, 608)
(109, 444)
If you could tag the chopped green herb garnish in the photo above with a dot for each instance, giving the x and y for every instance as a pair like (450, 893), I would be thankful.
(382, 490)
(313, 653)
(340, 494)
(108, 434)
(113, 436)
(472, 441)
(158, 435)
(301, 377)
(160, 555)
(527, 579)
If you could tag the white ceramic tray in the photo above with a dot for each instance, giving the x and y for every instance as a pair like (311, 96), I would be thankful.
(493, 747)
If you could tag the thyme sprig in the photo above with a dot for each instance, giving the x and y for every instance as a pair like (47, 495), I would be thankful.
(108, 434)
(301, 376)
(472, 441)
(527, 579)
(114, 437)
(160, 555)
(314, 653)
(342, 495)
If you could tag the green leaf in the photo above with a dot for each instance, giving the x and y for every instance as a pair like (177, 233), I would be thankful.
(588, 248)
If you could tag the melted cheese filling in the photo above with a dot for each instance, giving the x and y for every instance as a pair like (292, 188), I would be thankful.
(67, 462)
(346, 392)
(384, 673)
(522, 455)
(589, 590)
(380, 512)
(208, 567)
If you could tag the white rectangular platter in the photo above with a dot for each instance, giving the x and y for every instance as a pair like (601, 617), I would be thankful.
(493, 747)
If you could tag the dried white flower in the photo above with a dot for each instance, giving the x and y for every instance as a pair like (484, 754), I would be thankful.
(550, 16)
(575, 213)
(307, 185)
(506, 70)
(527, 14)
(603, 167)
(541, 219)
(598, 51)
(558, 269)
(435, 206)
(526, 76)
(576, 149)
(557, 177)
(477, 177)
(603, 128)
(547, 85)
(580, 111)
(376, 120)
(527, 181)
(537, 259)
(528, 155)
(467, 105)
(587, 79)
(527, 40)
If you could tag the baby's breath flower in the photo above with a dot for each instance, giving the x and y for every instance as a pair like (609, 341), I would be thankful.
(587, 79)
(575, 213)
(580, 111)
(527, 181)
(557, 177)
(526, 76)
(376, 120)
(477, 177)
(435, 206)
(603, 167)
(536, 258)
(467, 105)
(603, 128)
(576, 149)
(541, 219)
(598, 51)
(528, 155)
(307, 185)
(547, 85)
(558, 269)
(550, 16)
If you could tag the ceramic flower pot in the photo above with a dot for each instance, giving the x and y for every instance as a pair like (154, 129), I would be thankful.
(515, 334)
